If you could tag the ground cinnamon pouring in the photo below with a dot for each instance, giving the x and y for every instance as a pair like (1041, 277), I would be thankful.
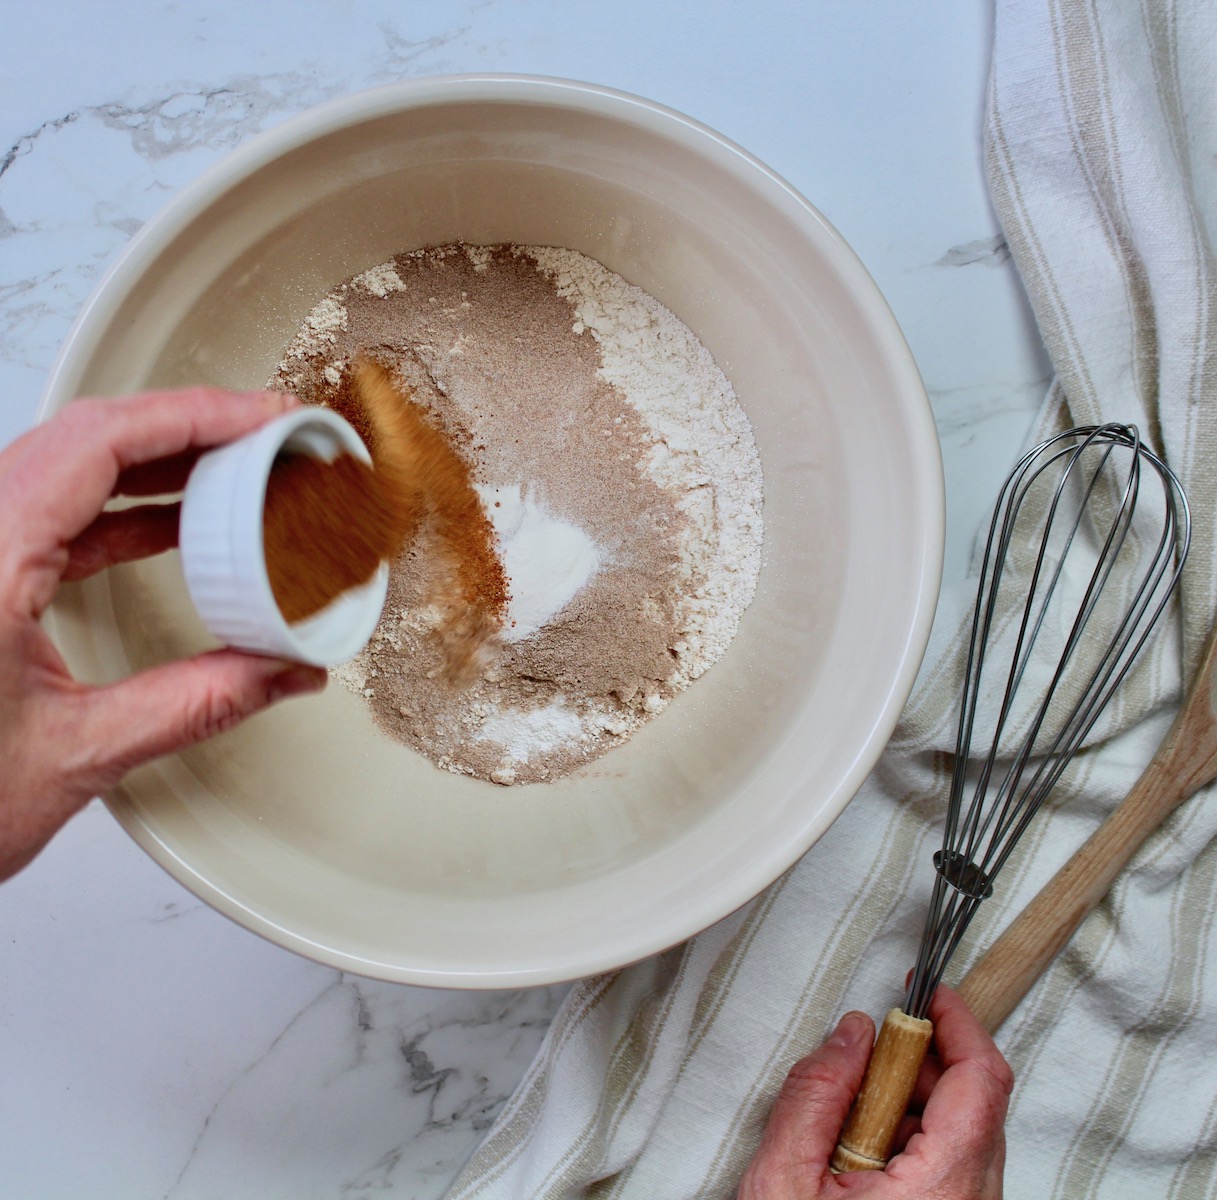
(328, 525)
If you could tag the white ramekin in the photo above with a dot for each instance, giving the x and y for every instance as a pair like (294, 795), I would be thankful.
(224, 559)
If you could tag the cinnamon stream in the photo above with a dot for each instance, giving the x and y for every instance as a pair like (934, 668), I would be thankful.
(327, 526)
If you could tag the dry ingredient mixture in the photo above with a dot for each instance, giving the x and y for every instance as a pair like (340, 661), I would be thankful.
(617, 470)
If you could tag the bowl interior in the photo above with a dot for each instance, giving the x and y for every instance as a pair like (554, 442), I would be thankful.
(311, 827)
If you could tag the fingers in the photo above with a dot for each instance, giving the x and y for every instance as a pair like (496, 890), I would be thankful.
(64, 471)
(960, 1037)
(81, 742)
(927, 1080)
(118, 537)
(970, 1100)
(961, 1126)
(171, 707)
(956, 1149)
(157, 478)
(808, 1115)
(60, 475)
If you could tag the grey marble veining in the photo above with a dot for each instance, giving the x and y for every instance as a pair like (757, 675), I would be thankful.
(442, 1071)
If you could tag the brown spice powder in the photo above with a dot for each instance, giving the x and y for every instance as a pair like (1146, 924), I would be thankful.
(423, 472)
(327, 526)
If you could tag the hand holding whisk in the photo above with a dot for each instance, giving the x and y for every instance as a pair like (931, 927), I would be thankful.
(1080, 562)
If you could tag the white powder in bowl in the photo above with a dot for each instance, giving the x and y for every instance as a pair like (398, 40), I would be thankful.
(525, 734)
(546, 559)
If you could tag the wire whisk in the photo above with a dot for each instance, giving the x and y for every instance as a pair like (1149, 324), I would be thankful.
(1081, 560)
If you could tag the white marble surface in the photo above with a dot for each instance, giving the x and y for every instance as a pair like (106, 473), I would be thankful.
(148, 1048)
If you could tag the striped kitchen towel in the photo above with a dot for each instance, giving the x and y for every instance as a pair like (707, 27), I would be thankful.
(655, 1082)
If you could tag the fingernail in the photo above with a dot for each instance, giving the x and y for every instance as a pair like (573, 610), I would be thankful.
(298, 680)
(852, 1029)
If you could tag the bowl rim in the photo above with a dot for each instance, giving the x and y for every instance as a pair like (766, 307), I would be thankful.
(923, 449)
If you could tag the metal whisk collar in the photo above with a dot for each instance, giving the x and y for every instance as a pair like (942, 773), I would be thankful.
(1100, 577)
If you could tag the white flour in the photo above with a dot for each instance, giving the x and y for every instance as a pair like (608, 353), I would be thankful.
(704, 450)
(380, 280)
(526, 734)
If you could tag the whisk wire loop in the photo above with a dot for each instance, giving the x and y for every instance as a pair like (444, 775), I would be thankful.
(1002, 817)
(1096, 583)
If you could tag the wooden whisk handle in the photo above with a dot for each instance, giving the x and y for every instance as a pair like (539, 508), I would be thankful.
(866, 1140)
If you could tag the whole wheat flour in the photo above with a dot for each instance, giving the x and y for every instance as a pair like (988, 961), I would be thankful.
(619, 473)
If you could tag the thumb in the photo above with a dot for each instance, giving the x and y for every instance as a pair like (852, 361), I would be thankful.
(171, 707)
(809, 1112)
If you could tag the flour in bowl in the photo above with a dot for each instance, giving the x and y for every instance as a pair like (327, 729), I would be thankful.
(616, 466)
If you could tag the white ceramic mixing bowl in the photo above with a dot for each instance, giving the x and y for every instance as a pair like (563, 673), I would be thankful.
(309, 826)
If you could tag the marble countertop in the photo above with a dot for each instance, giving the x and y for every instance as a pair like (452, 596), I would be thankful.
(150, 1049)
